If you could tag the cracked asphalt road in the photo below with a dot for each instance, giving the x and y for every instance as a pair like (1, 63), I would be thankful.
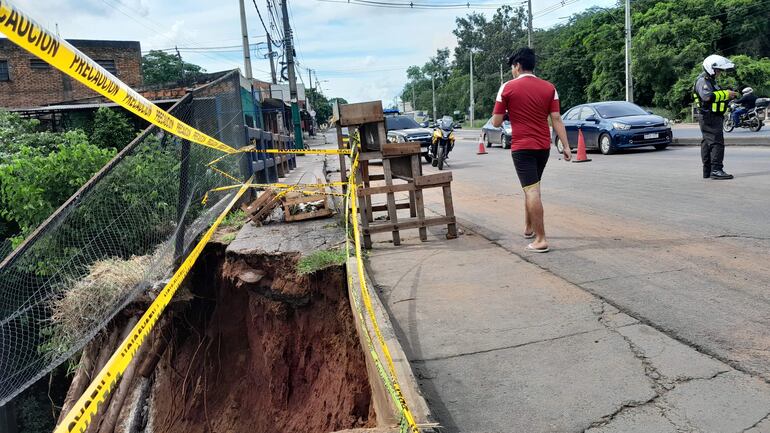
(650, 315)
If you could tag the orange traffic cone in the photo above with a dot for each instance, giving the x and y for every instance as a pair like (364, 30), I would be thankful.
(581, 153)
(482, 149)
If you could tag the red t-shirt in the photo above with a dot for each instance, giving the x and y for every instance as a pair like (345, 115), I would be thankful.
(529, 101)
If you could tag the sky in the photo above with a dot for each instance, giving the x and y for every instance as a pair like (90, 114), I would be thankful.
(359, 52)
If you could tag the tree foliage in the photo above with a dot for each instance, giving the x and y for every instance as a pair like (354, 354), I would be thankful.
(34, 181)
(585, 57)
(159, 67)
(111, 129)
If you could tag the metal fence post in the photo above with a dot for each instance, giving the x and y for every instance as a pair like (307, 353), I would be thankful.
(184, 189)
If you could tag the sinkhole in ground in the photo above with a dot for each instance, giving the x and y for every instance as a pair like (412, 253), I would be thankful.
(259, 348)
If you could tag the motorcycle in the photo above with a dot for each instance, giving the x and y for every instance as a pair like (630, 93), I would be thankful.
(442, 143)
(749, 119)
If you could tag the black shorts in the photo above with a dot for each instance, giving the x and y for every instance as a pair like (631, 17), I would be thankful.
(530, 165)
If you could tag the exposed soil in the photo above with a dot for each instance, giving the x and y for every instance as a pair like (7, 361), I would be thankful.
(261, 349)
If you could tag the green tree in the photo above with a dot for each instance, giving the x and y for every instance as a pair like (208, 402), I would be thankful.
(584, 57)
(159, 67)
(111, 129)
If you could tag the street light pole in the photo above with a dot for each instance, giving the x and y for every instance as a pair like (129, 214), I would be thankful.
(529, 25)
(472, 101)
(288, 45)
(433, 86)
(246, 50)
(629, 76)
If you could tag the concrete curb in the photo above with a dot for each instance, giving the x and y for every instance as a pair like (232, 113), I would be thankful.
(730, 141)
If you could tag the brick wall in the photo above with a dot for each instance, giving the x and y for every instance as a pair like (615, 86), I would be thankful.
(30, 87)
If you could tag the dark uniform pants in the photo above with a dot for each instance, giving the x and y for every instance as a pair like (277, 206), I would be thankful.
(712, 149)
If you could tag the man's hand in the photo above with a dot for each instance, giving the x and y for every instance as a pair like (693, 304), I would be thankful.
(732, 95)
(567, 153)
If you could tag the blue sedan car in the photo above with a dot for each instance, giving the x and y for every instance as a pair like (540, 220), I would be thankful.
(610, 126)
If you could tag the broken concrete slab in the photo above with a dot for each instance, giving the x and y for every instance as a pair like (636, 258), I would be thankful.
(643, 419)
(672, 359)
(730, 402)
(302, 237)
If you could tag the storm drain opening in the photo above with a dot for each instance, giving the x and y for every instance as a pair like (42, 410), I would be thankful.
(253, 346)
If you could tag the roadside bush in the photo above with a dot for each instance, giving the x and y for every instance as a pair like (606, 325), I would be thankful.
(33, 183)
(111, 129)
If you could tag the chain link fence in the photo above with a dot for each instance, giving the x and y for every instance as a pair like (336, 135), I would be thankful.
(117, 236)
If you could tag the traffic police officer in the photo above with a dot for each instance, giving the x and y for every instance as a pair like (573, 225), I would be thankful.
(713, 102)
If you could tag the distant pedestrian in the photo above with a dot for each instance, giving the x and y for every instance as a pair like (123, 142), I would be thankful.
(529, 102)
(713, 102)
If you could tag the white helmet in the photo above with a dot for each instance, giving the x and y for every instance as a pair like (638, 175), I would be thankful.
(747, 90)
(716, 62)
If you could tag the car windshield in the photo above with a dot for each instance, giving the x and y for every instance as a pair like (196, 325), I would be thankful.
(621, 109)
(400, 122)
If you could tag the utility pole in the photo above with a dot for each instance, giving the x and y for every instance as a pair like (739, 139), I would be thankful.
(529, 25)
(433, 86)
(472, 101)
(246, 50)
(501, 74)
(629, 78)
(310, 78)
(288, 45)
(271, 55)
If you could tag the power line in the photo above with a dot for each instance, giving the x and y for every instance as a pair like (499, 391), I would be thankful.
(413, 5)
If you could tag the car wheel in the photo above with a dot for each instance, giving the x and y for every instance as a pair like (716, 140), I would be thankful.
(559, 145)
(605, 144)
(661, 146)
(506, 142)
(486, 139)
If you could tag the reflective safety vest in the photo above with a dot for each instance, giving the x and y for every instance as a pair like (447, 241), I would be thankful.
(719, 103)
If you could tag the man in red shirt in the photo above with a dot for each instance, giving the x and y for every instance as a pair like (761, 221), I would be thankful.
(529, 102)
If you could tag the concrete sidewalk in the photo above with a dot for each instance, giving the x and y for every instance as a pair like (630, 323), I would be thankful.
(501, 345)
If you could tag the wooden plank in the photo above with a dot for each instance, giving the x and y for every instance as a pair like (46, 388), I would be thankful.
(401, 167)
(400, 149)
(320, 213)
(363, 112)
(392, 211)
(376, 177)
(433, 179)
(419, 203)
(384, 207)
(409, 224)
(386, 189)
(369, 156)
(450, 212)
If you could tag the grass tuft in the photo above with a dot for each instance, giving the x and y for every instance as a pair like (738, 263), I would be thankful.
(319, 260)
(226, 239)
(235, 219)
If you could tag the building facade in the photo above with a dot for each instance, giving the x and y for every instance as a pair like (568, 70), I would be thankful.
(26, 81)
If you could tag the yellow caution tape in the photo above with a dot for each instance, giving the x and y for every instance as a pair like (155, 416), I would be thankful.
(31, 36)
(397, 395)
(82, 412)
(300, 151)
